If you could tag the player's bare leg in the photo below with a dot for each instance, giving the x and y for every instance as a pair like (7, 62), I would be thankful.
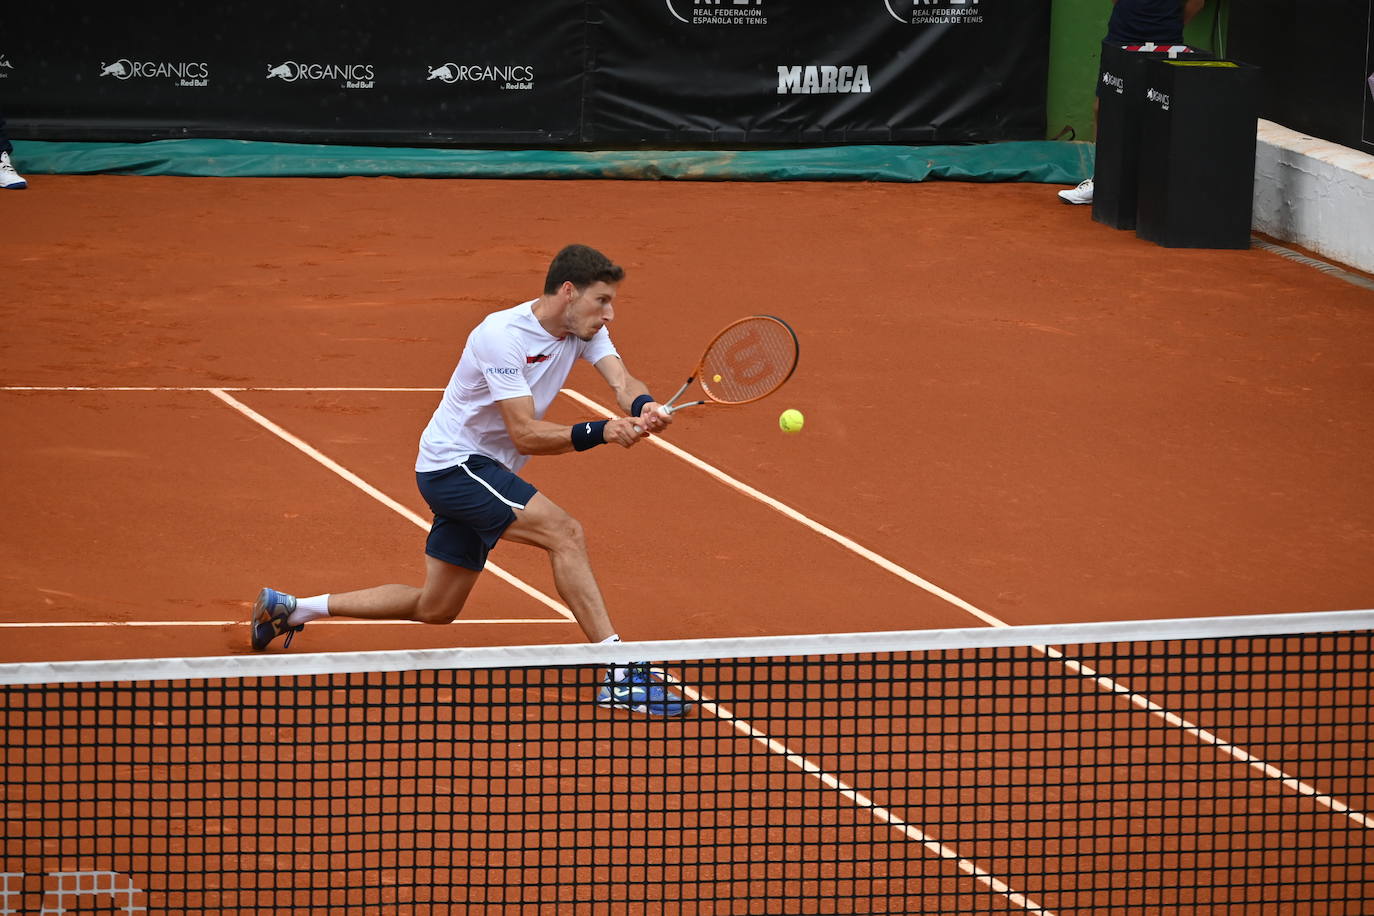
(543, 524)
(445, 591)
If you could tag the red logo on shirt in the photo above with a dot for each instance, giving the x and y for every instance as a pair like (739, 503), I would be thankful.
(537, 359)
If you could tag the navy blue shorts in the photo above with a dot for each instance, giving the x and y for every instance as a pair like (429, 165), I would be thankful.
(473, 504)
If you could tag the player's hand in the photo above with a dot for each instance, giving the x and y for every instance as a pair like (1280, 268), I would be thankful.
(624, 431)
(653, 419)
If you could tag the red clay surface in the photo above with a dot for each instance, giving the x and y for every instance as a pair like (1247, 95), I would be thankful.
(1053, 420)
(1050, 419)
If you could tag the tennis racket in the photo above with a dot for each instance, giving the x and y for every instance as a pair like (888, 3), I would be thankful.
(748, 360)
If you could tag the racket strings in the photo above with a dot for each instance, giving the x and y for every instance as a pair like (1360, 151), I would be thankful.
(748, 360)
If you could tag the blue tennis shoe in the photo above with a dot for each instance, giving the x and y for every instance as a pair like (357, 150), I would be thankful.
(640, 689)
(270, 613)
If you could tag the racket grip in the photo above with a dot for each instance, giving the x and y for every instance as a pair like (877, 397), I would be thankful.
(667, 411)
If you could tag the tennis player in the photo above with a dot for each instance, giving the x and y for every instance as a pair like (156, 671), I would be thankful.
(488, 424)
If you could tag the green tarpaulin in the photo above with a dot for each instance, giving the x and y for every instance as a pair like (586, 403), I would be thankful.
(1039, 161)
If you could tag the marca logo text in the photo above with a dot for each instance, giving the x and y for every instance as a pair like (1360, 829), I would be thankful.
(822, 80)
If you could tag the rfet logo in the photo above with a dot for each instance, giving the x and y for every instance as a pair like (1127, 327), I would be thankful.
(934, 12)
(718, 12)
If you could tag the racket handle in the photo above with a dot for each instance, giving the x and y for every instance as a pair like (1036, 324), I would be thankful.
(667, 411)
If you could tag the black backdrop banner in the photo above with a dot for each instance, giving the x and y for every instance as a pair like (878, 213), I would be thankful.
(532, 73)
(802, 71)
(1316, 64)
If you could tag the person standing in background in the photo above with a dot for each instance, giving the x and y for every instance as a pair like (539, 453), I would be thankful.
(10, 179)
(1135, 22)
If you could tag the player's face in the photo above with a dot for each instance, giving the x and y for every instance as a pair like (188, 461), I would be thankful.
(591, 310)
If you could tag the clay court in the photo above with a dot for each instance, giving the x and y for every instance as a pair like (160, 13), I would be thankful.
(1052, 420)
(1014, 415)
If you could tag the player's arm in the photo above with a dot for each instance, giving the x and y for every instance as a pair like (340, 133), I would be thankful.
(533, 436)
(628, 391)
(1191, 8)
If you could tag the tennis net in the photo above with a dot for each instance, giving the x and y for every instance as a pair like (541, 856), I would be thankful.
(1210, 765)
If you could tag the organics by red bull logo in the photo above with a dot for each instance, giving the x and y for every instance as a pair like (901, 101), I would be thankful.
(515, 76)
(182, 73)
(350, 76)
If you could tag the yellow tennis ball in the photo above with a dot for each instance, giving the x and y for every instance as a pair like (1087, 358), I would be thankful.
(791, 421)
(715, 378)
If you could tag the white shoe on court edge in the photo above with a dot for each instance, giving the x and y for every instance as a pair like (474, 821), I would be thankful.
(1083, 194)
(10, 180)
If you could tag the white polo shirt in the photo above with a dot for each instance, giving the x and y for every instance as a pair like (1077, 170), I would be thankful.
(508, 355)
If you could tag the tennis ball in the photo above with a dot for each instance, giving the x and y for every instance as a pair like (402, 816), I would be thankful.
(715, 378)
(791, 421)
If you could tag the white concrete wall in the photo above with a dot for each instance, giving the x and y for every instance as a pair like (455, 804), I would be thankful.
(1315, 194)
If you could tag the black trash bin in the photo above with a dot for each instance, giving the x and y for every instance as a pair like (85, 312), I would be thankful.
(1121, 105)
(1197, 153)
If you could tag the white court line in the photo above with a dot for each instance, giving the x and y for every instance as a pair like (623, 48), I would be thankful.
(796, 516)
(862, 801)
(377, 494)
(116, 624)
(1106, 683)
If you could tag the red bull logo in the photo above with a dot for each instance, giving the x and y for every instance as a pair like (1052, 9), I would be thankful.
(482, 73)
(350, 76)
(504, 76)
(182, 73)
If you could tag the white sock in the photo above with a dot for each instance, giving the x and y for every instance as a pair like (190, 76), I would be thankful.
(308, 609)
(618, 672)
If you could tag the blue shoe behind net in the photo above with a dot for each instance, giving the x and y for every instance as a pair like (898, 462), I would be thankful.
(640, 689)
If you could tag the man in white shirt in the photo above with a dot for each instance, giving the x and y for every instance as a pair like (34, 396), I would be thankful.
(488, 423)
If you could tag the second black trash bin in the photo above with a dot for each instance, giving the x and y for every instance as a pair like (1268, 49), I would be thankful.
(1197, 153)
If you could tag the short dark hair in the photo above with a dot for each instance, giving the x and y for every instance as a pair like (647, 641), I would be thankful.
(581, 266)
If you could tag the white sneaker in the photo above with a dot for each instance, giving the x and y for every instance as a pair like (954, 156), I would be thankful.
(1083, 194)
(10, 180)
